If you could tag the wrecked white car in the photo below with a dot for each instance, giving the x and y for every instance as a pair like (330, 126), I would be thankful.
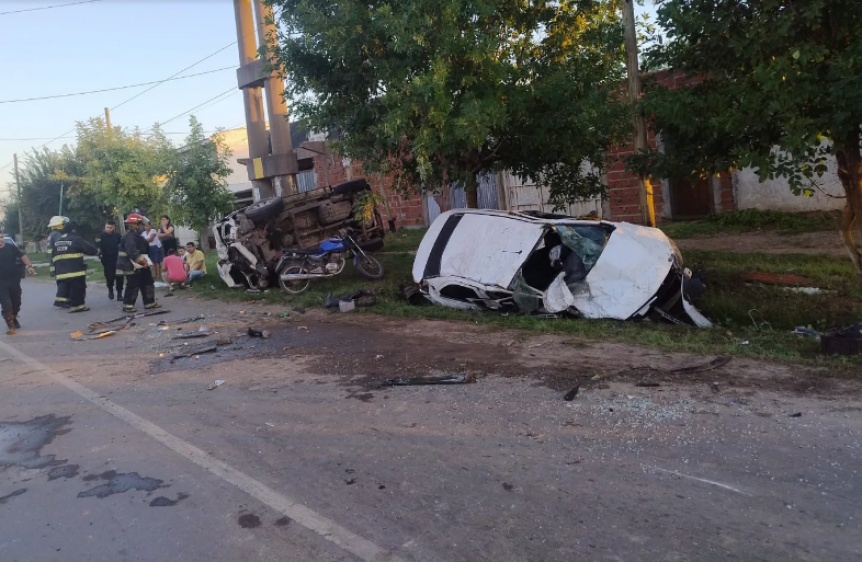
(550, 264)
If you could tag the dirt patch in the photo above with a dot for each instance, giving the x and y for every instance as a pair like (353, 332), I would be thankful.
(367, 350)
(770, 242)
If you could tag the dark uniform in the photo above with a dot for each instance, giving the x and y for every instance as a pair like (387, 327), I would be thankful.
(109, 249)
(10, 283)
(62, 298)
(69, 267)
(132, 247)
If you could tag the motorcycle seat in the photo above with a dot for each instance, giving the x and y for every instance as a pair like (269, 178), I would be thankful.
(314, 250)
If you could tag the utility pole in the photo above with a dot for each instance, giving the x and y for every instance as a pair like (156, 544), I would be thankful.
(121, 224)
(20, 202)
(250, 80)
(634, 91)
(276, 106)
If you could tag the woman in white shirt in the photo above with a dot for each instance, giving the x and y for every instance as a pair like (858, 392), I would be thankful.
(151, 235)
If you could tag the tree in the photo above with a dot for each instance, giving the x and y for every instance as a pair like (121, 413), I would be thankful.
(121, 169)
(780, 90)
(439, 91)
(196, 189)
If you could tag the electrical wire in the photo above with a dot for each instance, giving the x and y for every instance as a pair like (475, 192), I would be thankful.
(55, 96)
(213, 100)
(47, 8)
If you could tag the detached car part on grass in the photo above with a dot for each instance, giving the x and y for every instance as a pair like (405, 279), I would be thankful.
(551, 264)
(252, 243)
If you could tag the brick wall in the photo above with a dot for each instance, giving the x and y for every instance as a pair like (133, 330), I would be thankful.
(407, 210)
(624, 185)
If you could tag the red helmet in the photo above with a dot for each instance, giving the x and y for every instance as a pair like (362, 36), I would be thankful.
(134, 218)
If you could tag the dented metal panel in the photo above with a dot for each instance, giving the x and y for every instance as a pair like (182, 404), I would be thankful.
(631, 269)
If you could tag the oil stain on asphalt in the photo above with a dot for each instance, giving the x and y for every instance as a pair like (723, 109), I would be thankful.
(162, 501)
(118, 483)
(21, 442)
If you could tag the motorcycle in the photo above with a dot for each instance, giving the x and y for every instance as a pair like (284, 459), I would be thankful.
(297, 267)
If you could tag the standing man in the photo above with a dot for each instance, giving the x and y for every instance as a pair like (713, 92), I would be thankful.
(69, 266)
(133, 261)
(151, 235)
(109, 248)
(56, 226)
(195, 262)
(10, 281)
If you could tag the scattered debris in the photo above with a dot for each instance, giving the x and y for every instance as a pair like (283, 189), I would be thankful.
(215, 384)
(297, 309)
(842, 341)
(415, 381)
(356, 298)
(252, 333)
(570, 395)
(194, 352)
(805, 331)
(183, 321)
(202, 332)
(714, 364)
(270, 424)
(78, 335)
(647, 384)
(412, 293)
(346, 306)
(796, 415)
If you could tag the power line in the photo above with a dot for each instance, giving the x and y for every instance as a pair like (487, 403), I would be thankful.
(47, 8)
(224, 95)
(55, 96)
(231, 44)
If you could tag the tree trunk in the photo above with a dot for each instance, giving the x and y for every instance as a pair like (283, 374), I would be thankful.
(850, 174)
(471, 190)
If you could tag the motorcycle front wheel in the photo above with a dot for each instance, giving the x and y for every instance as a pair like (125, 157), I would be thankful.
(369, 266)
(293, 287)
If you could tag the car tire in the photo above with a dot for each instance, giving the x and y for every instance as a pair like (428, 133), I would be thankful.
(264, 209)
(351, 187)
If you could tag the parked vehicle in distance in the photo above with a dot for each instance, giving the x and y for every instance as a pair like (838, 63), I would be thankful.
(551, 264)
(251, 242)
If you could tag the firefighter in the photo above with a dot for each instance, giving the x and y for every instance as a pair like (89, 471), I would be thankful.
(132, 260)
(69, 266)
(56, 226)
(12, 258)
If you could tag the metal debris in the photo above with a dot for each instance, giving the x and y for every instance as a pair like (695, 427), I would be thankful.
(415, 381)
(714, 364)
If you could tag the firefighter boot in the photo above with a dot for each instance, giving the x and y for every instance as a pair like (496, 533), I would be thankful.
(10, 323)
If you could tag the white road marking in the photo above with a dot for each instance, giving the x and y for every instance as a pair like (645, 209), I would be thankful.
(704, 480)
(308, 518)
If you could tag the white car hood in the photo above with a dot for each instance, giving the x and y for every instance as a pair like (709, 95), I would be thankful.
(505, 246)
(630, 271)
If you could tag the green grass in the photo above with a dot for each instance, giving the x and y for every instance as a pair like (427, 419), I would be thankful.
(753, 220)
(729, 302)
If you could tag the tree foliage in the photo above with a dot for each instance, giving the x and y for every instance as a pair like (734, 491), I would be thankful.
(438, 91)
(196, 190)
(780, 90)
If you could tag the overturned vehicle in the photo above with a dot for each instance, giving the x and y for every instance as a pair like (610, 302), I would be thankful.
(255, 242)
(551, 264)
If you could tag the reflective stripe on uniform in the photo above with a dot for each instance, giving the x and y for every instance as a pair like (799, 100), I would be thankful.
(70, 275)
(61, 299)
(68, 256)
(121, 272)
(123, 255)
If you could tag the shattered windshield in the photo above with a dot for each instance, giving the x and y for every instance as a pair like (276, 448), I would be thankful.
(585, 241)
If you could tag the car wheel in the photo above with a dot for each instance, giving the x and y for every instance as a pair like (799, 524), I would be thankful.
(293, 287)
(264, 209)
(369, 266)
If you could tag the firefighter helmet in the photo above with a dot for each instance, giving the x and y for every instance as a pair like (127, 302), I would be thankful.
(134, 218)
(57, 222)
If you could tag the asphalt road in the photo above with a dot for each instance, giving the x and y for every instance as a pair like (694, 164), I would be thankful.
(109, 451)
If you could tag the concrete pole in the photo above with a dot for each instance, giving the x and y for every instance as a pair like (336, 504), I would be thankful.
(276, 105)
(634, 87)
(108, 120)
(20, 202)
(254, 117)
